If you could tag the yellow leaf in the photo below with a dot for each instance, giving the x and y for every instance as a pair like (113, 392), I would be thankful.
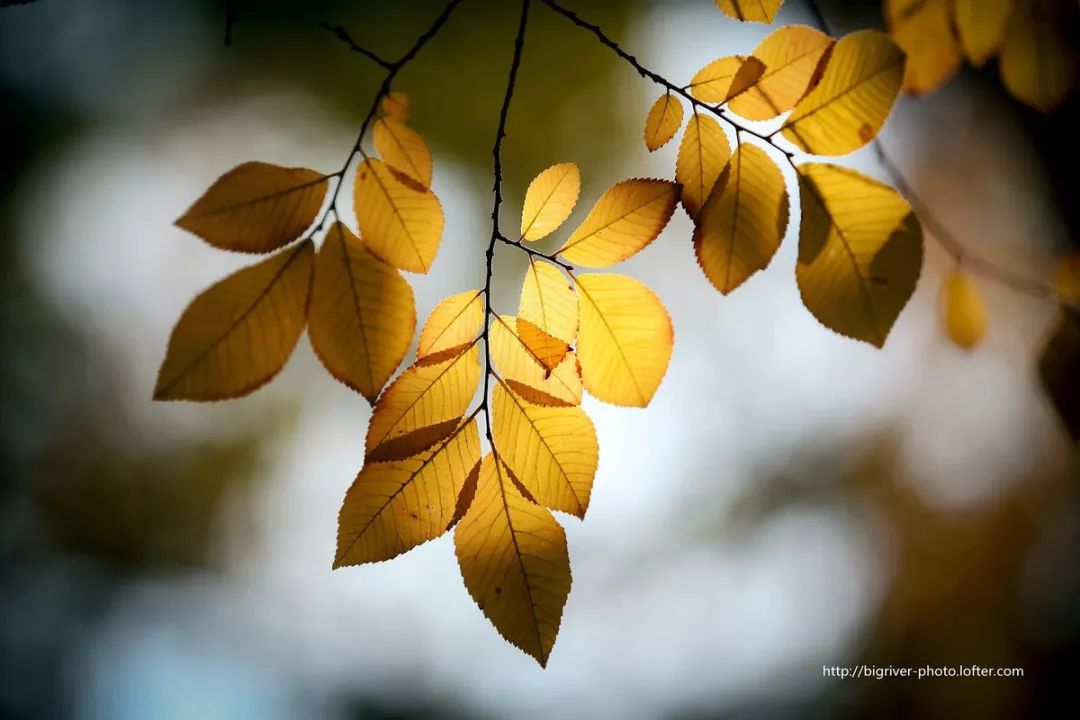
(1067, 279)
(965, 313)
(847, 107)
(395, 105)
(923, 29)
(422, 406)
(237, 334)
(751, 10)
(741, 225)
(403, 148)
(523, 372)
(981, 25)
(400, 220)
(548, 300)
(256, 207)
(625, 339)
(362, 313)
(749, 73)
(1037, 65)
(513, 559)
(455, 322)
(547, 349)
(860, 251)
(550, 199)
(714, 82)
(664, 119)
(703, 154)
(627, 217)
(394, 506)
(791, 56)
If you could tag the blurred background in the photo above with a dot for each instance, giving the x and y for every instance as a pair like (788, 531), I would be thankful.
(790, 500)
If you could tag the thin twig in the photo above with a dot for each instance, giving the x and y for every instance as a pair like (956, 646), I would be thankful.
(343, 35)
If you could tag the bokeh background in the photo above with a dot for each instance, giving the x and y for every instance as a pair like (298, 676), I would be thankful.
(791, 499)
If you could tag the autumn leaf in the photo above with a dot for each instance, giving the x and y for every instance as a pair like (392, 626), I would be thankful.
(624, 341)
(847, 107)
(860, 251)
(256, 207)
(514, 562)
(551, 450)
(750, 72)
(400, 220)
(392, 507)
(550, 199)
(236, 335)
(522, 371)
(548, 301)
(1036, 64)
(628, 216)
(395, 105)
(402, 147)
(454, 323)
(713, 82)
(362, 314)
(664, 120)
(422, 406)
(923, 29)
(703, 154)
(982, 25)
(751, 10)
(790, 56)
(964, 310)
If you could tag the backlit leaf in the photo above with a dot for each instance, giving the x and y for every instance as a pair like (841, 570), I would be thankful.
(422, 406)
(362, 313)
(964, 310)
(454, 322)
(237, 334)
(860, 251)
(703, 154)
(548, 300)
(395, 105)
(550, 199)
(749, 73)
(848, 106)
(751, 10)
(628, 216)
(521, 369)
(1036, 62)
(400, 220)
(256, 207)
(394, 506)
(403, 148)
(713, 82)
(741, 225)
(790, 55)
(624, 341)
(982, 25)
(923, 29)
(664, 119)
(513, 559)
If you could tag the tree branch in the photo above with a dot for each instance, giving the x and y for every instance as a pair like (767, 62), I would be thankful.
(343, 35)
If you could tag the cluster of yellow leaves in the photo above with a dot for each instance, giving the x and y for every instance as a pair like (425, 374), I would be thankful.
(1029, 37)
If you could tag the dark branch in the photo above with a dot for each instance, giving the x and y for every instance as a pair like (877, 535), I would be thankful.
(343, 35)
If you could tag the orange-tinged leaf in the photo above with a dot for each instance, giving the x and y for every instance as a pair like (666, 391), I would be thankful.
(1067, 279)
(751, 70)
(513, 559)
(362, 313)
(548, 300)
(713, 82)
(402, 147)
(703, 154)
(923, 29)
(847, 107)
(860, 251)
(400, 220)
(455, 322)
(521, 369)
(981, 25)
(664, 119)
(550, 199)
(762, 11)
(237, 334)
(256, 207)
(394, 506)
(1036, 63)
(790, 55)
(741, 225)
(625, 339)
(422, 406)
(395, 105)
(628, 216)
(548, 350)
(964, 310)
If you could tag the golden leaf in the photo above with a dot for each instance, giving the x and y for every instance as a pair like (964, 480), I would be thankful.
(1067, 279)
(713, 83)
(548, 301)
(626, 218)
(256, 207)
(703, 154)
(422, 406)
(395, 105)
(751, 10)
(550, 199)
(522, 370)
(548, 350)
(394, 506)
(741, 225)
(964, 311)
(664, 119)
(513, 559)
(860, 251)
(400, 220)
(791, 56)
(362, 313)
(923, 29)
(237, 334)
(403, 148)
(751, 70)
(981, 25)
(455, 322)
(625, 339)
(1036, 62)
(847, 107)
